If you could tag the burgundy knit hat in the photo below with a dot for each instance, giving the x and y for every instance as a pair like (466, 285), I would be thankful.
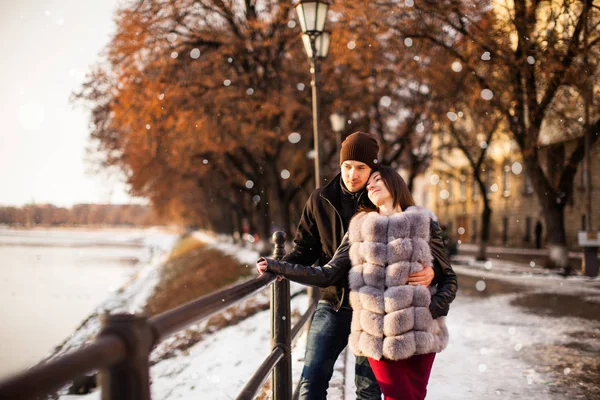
(360, 146)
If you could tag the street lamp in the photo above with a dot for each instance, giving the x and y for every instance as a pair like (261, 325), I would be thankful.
(313, 16)
(321, 44)
(338, 124)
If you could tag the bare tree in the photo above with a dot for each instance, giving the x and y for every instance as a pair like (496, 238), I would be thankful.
(521, 57)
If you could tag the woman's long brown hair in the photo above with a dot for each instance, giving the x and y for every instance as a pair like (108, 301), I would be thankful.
(398, 189)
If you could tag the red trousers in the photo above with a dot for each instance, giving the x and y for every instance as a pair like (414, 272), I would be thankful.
(403, 379)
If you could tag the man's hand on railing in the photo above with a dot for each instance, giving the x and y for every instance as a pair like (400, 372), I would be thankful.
(261, 268)
(423, 277)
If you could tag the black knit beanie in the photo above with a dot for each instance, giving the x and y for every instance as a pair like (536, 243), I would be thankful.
(360, 146)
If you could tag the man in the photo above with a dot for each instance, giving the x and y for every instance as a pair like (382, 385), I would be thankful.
(322, 226)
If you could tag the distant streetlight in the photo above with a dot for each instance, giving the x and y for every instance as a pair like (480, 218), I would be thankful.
(313, 16)
(338, 124)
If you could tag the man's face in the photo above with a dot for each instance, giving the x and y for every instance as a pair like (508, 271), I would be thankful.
(355, 175)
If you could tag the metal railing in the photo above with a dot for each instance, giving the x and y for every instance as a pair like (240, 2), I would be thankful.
(121, 351)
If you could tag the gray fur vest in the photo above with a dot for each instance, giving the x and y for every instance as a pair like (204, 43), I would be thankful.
(391, 320)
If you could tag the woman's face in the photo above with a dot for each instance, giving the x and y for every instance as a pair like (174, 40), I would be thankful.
(377, 192)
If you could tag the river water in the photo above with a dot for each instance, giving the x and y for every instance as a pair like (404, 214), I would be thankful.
(52, 279)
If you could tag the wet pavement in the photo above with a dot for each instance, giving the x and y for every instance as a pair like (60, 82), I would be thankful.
(557, 319)
(505, 254)
(559, 305)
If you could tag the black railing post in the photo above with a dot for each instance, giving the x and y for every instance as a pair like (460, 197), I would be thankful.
(281, 381)
(130, 379)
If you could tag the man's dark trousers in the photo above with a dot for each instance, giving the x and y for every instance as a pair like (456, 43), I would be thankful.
(328, 336)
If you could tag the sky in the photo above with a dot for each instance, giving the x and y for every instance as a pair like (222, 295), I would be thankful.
(47, 47)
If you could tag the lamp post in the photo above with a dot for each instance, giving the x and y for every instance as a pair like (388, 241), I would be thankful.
(338, 124)
(313, 16)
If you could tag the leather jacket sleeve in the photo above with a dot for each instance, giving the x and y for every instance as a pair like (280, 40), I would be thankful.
(436, 244)
(338, 267)
(307, 241)
(324, 276)
(445, 278)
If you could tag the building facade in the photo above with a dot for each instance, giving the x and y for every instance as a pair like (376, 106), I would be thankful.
(449, 189)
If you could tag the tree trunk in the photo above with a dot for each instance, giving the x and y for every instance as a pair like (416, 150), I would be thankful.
(264, 228)
(484, 238)
(411, 178)
(553, 207)
(237, 225)
(554, 218)
(284, 217)
(241, 214)
(264, 224)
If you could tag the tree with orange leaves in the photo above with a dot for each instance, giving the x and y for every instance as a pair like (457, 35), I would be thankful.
(198, 103)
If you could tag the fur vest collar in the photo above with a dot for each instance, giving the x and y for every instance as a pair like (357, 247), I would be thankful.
(391, 320)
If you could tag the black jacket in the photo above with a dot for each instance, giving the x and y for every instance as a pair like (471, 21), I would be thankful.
(320, 232)
(336, 271)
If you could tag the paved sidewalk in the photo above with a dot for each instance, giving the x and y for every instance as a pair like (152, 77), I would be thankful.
(471, 247)
(516, 332)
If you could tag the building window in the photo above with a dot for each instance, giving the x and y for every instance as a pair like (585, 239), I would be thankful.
(463, 188)
(474, 230)
(583, 222)
(474, 189)
(582, 177)
(505, 230)
(506, 181)
(488, 182)
(527, 185)
(527, 237)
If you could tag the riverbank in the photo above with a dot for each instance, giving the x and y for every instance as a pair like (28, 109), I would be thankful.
(181, 271)
(53, 279)
(216, 357)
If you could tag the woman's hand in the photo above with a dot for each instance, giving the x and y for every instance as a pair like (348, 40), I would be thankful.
(423, 277)
(261, 266)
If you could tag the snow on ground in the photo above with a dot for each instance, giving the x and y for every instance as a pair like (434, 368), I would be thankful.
(492, 344)
(225, 244)
(482, 360)
(512, 250)
(491, 354)
(217, 367)
(532, 276)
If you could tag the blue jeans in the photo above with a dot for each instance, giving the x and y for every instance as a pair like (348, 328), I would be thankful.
(327, 337)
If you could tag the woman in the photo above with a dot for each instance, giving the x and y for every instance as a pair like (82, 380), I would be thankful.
(398, 326)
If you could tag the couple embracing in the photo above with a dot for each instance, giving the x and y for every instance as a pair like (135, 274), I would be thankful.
(387, 281)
